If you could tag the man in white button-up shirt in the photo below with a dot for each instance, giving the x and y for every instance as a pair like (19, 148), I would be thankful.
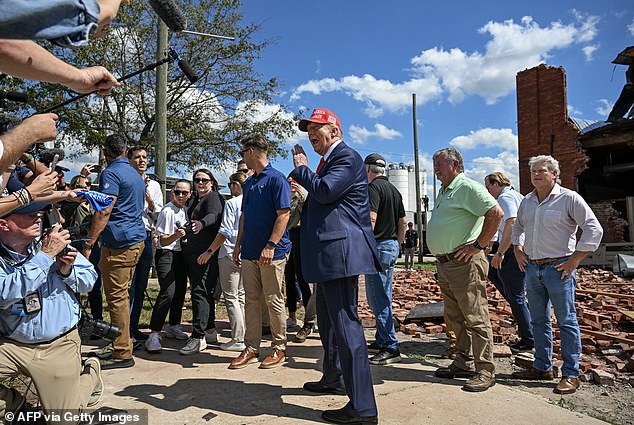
(549, 217)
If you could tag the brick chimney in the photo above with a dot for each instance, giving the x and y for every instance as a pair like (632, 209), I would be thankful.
(543, 125)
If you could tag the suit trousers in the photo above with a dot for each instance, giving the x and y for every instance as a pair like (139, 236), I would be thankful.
(264, 284)
(345, 350)
(463, 287)
(56, 370)
(117, 268)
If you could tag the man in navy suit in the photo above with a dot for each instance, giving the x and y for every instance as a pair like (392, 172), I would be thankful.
(337, 245)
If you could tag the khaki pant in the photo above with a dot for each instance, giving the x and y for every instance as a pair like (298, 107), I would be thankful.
(55, 369)
(117, 270)
(463, 287)
(264, 284)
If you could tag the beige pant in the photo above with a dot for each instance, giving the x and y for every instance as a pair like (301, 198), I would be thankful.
(233, 292)
(264, 284)
(463, 287)
(117, 270)
(55, 369)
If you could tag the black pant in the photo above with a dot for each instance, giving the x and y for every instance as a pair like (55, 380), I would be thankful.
(172, 277)
(202, 281)
(294, 269)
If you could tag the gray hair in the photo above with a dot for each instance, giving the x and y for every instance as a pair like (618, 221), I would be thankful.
(551, 163)
(376, 169)
(451, 155)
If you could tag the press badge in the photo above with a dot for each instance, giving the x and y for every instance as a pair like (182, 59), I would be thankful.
(32, 303)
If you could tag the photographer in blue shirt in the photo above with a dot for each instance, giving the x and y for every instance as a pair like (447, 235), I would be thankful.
(39, 311)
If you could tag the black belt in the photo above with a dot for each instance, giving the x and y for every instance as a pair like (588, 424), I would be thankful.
(59, 336)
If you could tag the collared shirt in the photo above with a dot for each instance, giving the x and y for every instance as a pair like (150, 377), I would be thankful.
(264, 194)
(331, 148)
(230, 225)
(125, 226)
(150, 216)
(551, 227)
(67, 23)
(458, 215)
(509, 200)
(60, 309)
(166, 224)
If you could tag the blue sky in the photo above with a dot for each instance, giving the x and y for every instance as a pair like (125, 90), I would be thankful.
(363, 60)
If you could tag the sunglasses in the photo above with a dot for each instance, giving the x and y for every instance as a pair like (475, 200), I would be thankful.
(181, 192)
(202, 180)
(244, 170)
(243, 151)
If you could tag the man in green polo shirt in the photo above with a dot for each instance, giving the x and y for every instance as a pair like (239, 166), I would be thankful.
(464, 220)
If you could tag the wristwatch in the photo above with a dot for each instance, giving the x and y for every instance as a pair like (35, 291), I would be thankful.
(477, 245)
(500, 254)
(271, 244)
(88, 245)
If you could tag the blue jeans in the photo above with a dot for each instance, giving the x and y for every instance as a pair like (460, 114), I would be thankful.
(378, 289)
(544, 288)
(139, 284)
(509, 281)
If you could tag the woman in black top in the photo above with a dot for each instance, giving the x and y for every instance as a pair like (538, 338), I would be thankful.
(205, 216)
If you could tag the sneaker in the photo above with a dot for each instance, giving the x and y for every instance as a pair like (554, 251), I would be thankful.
(386, 356)
(233, 346)
(211, 336)
(303, 333)
(521, 347)
(153, 343)
(291, 323)
(97, 392)
(175, 332)
(481, 381)
(193, 346)
(533, 374)
(374, 348)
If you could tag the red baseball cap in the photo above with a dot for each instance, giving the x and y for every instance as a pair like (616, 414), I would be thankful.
(320, 116)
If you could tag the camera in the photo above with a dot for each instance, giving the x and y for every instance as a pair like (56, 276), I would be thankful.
(100, 328)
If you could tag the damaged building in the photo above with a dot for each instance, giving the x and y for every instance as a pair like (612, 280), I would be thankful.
(596, 158)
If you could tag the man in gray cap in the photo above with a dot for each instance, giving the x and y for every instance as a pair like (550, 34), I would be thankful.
(387, 215)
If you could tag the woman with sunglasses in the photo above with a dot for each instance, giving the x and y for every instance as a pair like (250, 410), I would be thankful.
(205, 214)
(230, 279)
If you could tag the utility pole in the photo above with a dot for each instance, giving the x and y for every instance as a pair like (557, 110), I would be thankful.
(419, 215)
(160, 122)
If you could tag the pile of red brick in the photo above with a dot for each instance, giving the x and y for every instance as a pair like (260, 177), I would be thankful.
(605, 310)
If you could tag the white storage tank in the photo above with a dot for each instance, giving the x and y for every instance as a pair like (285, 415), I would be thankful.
(399, 178)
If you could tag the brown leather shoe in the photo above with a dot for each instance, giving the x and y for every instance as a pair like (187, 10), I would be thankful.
(533, 374)
(275, 358)
(567, 386)
(244, 359)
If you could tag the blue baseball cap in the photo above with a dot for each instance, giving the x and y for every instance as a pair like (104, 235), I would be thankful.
(29, 208)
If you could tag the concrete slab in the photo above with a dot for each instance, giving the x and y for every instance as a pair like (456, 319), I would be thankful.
(199, 389)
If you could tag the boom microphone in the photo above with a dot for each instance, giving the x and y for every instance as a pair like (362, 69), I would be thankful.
(187, 70)
(170, 13)
(15, 96)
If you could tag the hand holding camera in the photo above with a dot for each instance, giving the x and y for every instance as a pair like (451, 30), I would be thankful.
(56, 241)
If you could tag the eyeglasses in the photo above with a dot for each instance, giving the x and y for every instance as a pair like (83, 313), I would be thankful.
(181, 192)
(202, 181)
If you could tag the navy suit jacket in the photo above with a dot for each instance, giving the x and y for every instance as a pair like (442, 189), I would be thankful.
(336, 232)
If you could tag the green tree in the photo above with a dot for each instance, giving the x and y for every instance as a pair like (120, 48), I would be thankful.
(205, 120)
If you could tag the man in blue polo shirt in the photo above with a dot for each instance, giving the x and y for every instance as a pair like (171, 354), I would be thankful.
(122, 240)
(263, 245)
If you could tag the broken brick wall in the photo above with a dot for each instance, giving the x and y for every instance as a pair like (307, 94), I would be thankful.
(614, 226)
(543, 125)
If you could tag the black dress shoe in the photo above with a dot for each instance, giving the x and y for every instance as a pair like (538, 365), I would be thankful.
(343, 416)
(321, 388)
(115, 363)
(374, 348)
(386, 356)
(139, 336)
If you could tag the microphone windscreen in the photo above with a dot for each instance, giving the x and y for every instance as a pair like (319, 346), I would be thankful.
(170, 13)
(187, 70)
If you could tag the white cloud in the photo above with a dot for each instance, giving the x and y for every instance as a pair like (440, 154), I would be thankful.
(502, 138)
(604, 108)
(256, 111)
(572, 111)
(377, 94)
(506, 162)
(489, 74)
(588, 51)
(630, 27)
(361, 135)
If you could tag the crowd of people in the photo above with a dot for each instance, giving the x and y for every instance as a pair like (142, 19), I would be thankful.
(260, 249)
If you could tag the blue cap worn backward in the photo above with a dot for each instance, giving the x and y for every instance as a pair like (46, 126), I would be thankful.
(29, 208)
